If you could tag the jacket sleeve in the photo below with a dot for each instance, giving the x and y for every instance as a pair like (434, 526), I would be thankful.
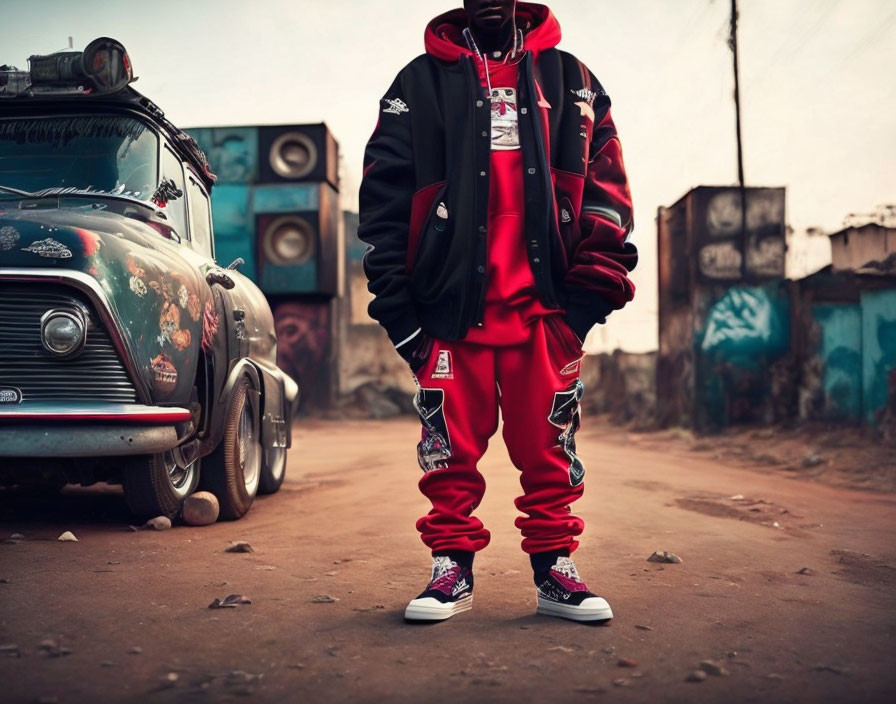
(597, 280)
(387, 188)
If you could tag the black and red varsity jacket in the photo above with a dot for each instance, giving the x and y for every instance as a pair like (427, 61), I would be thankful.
(424, 196)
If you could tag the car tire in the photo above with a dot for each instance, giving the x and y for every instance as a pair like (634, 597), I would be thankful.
(273, 470)
(155, 485)
(233, 471)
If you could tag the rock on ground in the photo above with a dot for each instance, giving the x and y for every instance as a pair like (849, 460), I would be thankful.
(200, 509)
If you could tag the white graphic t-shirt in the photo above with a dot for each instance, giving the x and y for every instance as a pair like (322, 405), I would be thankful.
(505, 123)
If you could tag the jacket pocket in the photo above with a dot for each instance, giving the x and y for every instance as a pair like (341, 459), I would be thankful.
(428, 272)
(423, 207)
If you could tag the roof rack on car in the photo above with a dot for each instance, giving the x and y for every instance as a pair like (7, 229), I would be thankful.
(102, 71)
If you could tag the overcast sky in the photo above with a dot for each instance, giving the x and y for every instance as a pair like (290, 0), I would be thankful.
(818, 89)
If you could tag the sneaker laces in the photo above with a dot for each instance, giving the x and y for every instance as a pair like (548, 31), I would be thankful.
(444, 571)
(567, 568)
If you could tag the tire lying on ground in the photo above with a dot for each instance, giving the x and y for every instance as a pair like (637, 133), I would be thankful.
(273, 470)
(156, 485)
(233, 471)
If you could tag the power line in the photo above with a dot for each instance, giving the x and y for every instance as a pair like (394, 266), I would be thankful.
(870, 41)
(796, 45)
(865, 43)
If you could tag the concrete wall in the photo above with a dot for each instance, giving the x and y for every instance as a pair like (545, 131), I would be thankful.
(623, 385)
(373, 379)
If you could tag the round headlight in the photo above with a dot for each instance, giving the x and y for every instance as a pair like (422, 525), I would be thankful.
(293, 155)
(62, 332)
(288, 241)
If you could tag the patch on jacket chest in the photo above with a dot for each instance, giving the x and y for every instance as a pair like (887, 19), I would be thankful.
(505, 121)
(585, 101)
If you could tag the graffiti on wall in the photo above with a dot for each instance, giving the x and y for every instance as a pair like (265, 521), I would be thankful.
(303, 349)
(840, 356)
(745, 326)
(232, 152)
(721, 254)
(745, 332)
(879, 350)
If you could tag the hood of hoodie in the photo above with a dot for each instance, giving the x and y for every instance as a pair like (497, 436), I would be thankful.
(444, 40)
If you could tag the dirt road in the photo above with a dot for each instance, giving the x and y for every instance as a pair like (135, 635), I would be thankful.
(336, 559)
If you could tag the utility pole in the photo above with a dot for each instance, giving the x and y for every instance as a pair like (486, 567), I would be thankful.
(732, 44)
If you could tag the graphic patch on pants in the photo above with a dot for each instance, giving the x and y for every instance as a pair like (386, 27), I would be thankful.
(565, 415)
(434, 447)
(443, 366)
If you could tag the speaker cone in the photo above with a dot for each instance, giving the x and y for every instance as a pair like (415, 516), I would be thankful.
(288, 241)
(293, 155)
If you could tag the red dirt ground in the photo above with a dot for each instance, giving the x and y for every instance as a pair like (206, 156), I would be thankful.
(342, 527)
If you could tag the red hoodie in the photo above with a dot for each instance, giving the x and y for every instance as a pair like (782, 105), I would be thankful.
(511, 298)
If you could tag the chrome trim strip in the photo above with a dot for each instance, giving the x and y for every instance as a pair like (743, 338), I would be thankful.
(92, 288)
(83, 411)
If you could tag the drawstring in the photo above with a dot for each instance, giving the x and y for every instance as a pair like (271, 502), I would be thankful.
(471, 44)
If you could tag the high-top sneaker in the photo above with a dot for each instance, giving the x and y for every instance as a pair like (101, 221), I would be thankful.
(561, 592)
(449, 592)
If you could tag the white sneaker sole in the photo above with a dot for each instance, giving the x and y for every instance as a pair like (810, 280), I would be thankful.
(594, 609)
(430, 609)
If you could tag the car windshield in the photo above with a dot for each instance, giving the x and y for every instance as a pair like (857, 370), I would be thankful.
(111, 154)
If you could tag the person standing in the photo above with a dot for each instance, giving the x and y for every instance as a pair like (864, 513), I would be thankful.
(497, 215)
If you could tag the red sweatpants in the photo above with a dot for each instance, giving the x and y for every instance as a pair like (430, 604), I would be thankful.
(536, 385)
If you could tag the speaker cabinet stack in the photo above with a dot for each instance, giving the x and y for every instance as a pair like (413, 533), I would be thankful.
(276, 205)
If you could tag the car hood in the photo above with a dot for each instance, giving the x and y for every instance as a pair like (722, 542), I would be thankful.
(154, 288)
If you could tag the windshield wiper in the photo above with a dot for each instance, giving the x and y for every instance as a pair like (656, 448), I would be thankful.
(57, 191)
(16, 191)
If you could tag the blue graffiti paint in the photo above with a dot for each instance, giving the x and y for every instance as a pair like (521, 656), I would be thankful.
(286, 198)
(840, 350)
(745, 331)
(232, 152)
(878, 349)
(234, 226)
(746, 327)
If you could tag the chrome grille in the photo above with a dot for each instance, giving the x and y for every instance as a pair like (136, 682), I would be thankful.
(96, 374)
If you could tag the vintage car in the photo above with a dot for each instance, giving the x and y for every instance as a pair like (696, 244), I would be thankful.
(126, 353)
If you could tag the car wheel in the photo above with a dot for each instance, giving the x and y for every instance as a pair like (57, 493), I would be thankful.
(273, 470)
(233, 471)
(156, 485)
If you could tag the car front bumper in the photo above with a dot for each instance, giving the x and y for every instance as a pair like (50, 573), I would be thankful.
(102, 430)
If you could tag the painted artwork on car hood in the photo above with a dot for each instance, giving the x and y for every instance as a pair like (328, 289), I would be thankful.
(159, 297)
